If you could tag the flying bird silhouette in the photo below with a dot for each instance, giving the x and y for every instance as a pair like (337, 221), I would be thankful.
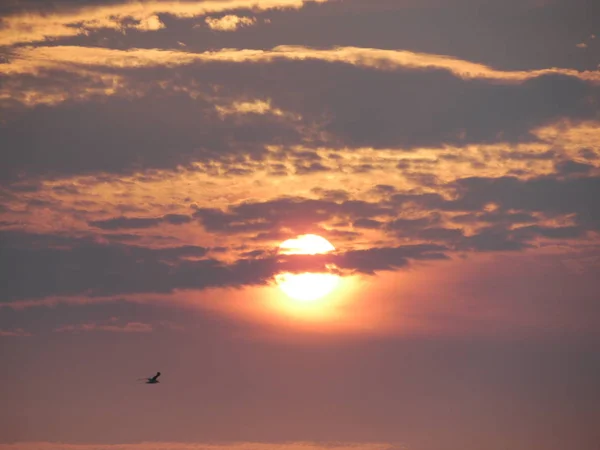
(151, 380)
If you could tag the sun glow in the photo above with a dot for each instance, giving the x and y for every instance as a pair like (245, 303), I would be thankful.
(306, 287)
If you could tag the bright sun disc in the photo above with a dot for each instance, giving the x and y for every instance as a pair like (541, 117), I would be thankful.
(306, 286)
(307, 244)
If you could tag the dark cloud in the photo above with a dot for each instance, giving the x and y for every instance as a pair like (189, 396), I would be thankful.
(407, 225)
(382, 189)
(496, 217)
(367, 223)
(527, 156)
(496, 238)
(546, 194)
(121, 237)
(125, 223)
(159, 130)
(569, 232)
(368, 261)
(84, 266)
(253, 254)
(588, 154)
(511, 35)
(303, 168)
(66, 266)
(573, 167)
(450, 235)
(120, 223)
(177, 219)
(335, 195)
(549, 195)
(395, 108)
(375, 259)
(492, 239)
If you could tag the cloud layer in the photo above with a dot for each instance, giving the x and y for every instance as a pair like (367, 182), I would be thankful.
(139, 162)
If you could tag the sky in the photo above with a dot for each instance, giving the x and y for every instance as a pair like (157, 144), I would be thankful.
(156, 154)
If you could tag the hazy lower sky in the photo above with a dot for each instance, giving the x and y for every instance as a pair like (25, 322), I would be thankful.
(155, 154)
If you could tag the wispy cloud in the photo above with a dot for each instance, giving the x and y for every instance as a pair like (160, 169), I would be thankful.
(15, 332)
(112, 325)
(31, 59)
(586, 42)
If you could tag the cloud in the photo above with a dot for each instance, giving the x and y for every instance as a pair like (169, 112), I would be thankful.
(297, 214)
(367, 223)
(111, 325)
(573, 167)
(251, 107)
(586, 42)
(371, 260)
(471, 214)
(120, 223)
(30, 26)
(31, 59)
(367, 261)
(15, 332)
(126, 132)
(229, 22)
(545, 194)
(496, 217)
(117, 135)
(67, 266)
(84, 267)
(124, 138)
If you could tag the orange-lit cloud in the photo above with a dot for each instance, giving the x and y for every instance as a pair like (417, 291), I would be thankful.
(163, 198)
(251, 107)
(36, 27)
(31, 59)
(230, 22)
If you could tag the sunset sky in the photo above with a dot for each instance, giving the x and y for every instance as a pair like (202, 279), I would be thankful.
(154, 156)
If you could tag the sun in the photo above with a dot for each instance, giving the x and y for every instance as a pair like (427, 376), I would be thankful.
(307, 244)
(307, 286)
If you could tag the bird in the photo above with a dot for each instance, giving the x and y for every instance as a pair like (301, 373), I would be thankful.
(152, 380)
